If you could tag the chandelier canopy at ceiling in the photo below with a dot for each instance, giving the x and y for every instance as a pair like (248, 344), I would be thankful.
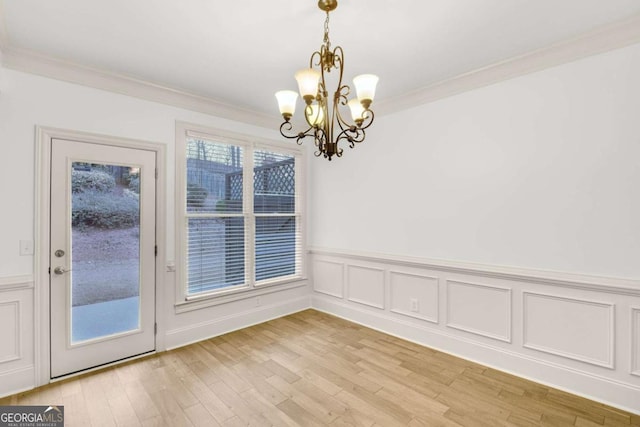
(326, 123)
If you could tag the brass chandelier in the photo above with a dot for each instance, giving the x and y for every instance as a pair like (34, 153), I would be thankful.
(325, 123)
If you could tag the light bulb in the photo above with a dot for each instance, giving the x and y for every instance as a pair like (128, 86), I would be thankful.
(315, 115)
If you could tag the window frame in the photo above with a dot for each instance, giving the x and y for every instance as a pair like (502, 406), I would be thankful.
(251, 287)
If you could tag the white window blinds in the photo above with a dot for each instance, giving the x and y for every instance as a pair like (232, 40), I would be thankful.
(239, 234)
(277, 236)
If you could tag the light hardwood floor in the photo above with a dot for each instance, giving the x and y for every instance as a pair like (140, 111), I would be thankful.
(312, 369)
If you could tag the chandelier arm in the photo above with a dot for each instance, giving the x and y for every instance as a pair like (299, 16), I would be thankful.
(308, 111)
(368, 117)
(320, 140)
(338, 57)
(352, 136)
(287, 126)
(340, 99)
(319, 54)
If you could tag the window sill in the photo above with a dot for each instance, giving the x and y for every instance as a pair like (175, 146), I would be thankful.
(224, 297)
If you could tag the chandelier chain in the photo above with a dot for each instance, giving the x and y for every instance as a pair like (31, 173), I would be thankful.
(326, 31)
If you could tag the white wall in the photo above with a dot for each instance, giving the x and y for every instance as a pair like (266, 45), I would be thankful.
(501, 225)
(540, 171)
(27, 101)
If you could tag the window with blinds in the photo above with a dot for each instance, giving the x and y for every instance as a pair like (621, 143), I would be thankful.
(241, 216)
(276, 222)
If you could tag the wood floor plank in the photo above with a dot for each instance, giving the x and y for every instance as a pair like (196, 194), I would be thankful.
(141, 401)
(80, 415)
(170, 411)
(299, 414)
(312, 369)
(238, 406)
(123, 411)
(282, 371)
(200, 417)
(371, 413)
(216, 407)
(251, 372)
(322, 409)
(268, 409)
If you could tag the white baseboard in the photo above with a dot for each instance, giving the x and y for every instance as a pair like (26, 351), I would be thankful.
(605, 390)
(17, 380)
(180, 337)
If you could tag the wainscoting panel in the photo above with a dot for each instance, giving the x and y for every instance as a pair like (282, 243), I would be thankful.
(635, 341)
(575, 333)
(16, 334)
(328, 278)
(479, 309)
(365, 285)
(10, 331)
(414, 295)
(572, 328)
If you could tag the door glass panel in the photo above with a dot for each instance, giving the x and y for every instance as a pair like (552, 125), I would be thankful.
(105, 250)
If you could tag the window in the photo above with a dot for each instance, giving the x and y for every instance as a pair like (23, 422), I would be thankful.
(239, 213)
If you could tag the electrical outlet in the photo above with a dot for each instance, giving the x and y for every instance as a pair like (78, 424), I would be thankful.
(257, 301)
(414, 305)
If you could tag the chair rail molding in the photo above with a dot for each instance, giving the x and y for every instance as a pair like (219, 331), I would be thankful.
(16, 282)
(570, 280)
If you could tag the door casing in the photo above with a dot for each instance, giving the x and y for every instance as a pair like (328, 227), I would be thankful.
(44, 136)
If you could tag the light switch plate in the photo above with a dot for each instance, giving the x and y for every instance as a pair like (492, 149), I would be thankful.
(26, 247)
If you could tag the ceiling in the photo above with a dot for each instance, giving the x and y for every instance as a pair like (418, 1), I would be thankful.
(241, 52)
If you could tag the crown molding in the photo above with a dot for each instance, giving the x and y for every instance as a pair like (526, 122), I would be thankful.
(47, 66)
(613, 36)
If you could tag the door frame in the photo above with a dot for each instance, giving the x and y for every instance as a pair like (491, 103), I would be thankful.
(44, 136)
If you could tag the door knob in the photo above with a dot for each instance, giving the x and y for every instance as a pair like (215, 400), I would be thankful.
(60, 270)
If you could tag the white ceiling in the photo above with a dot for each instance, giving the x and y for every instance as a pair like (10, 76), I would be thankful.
(240, 52)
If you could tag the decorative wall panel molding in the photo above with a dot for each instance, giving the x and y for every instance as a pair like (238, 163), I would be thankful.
(580, 334)
(479, 309)
(366, 286)
(328, 278)
(635, 341)
(414, 295)
(16, 335)
(10, 331)
(577, 329)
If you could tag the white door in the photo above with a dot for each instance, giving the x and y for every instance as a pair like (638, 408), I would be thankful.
(102, 260)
